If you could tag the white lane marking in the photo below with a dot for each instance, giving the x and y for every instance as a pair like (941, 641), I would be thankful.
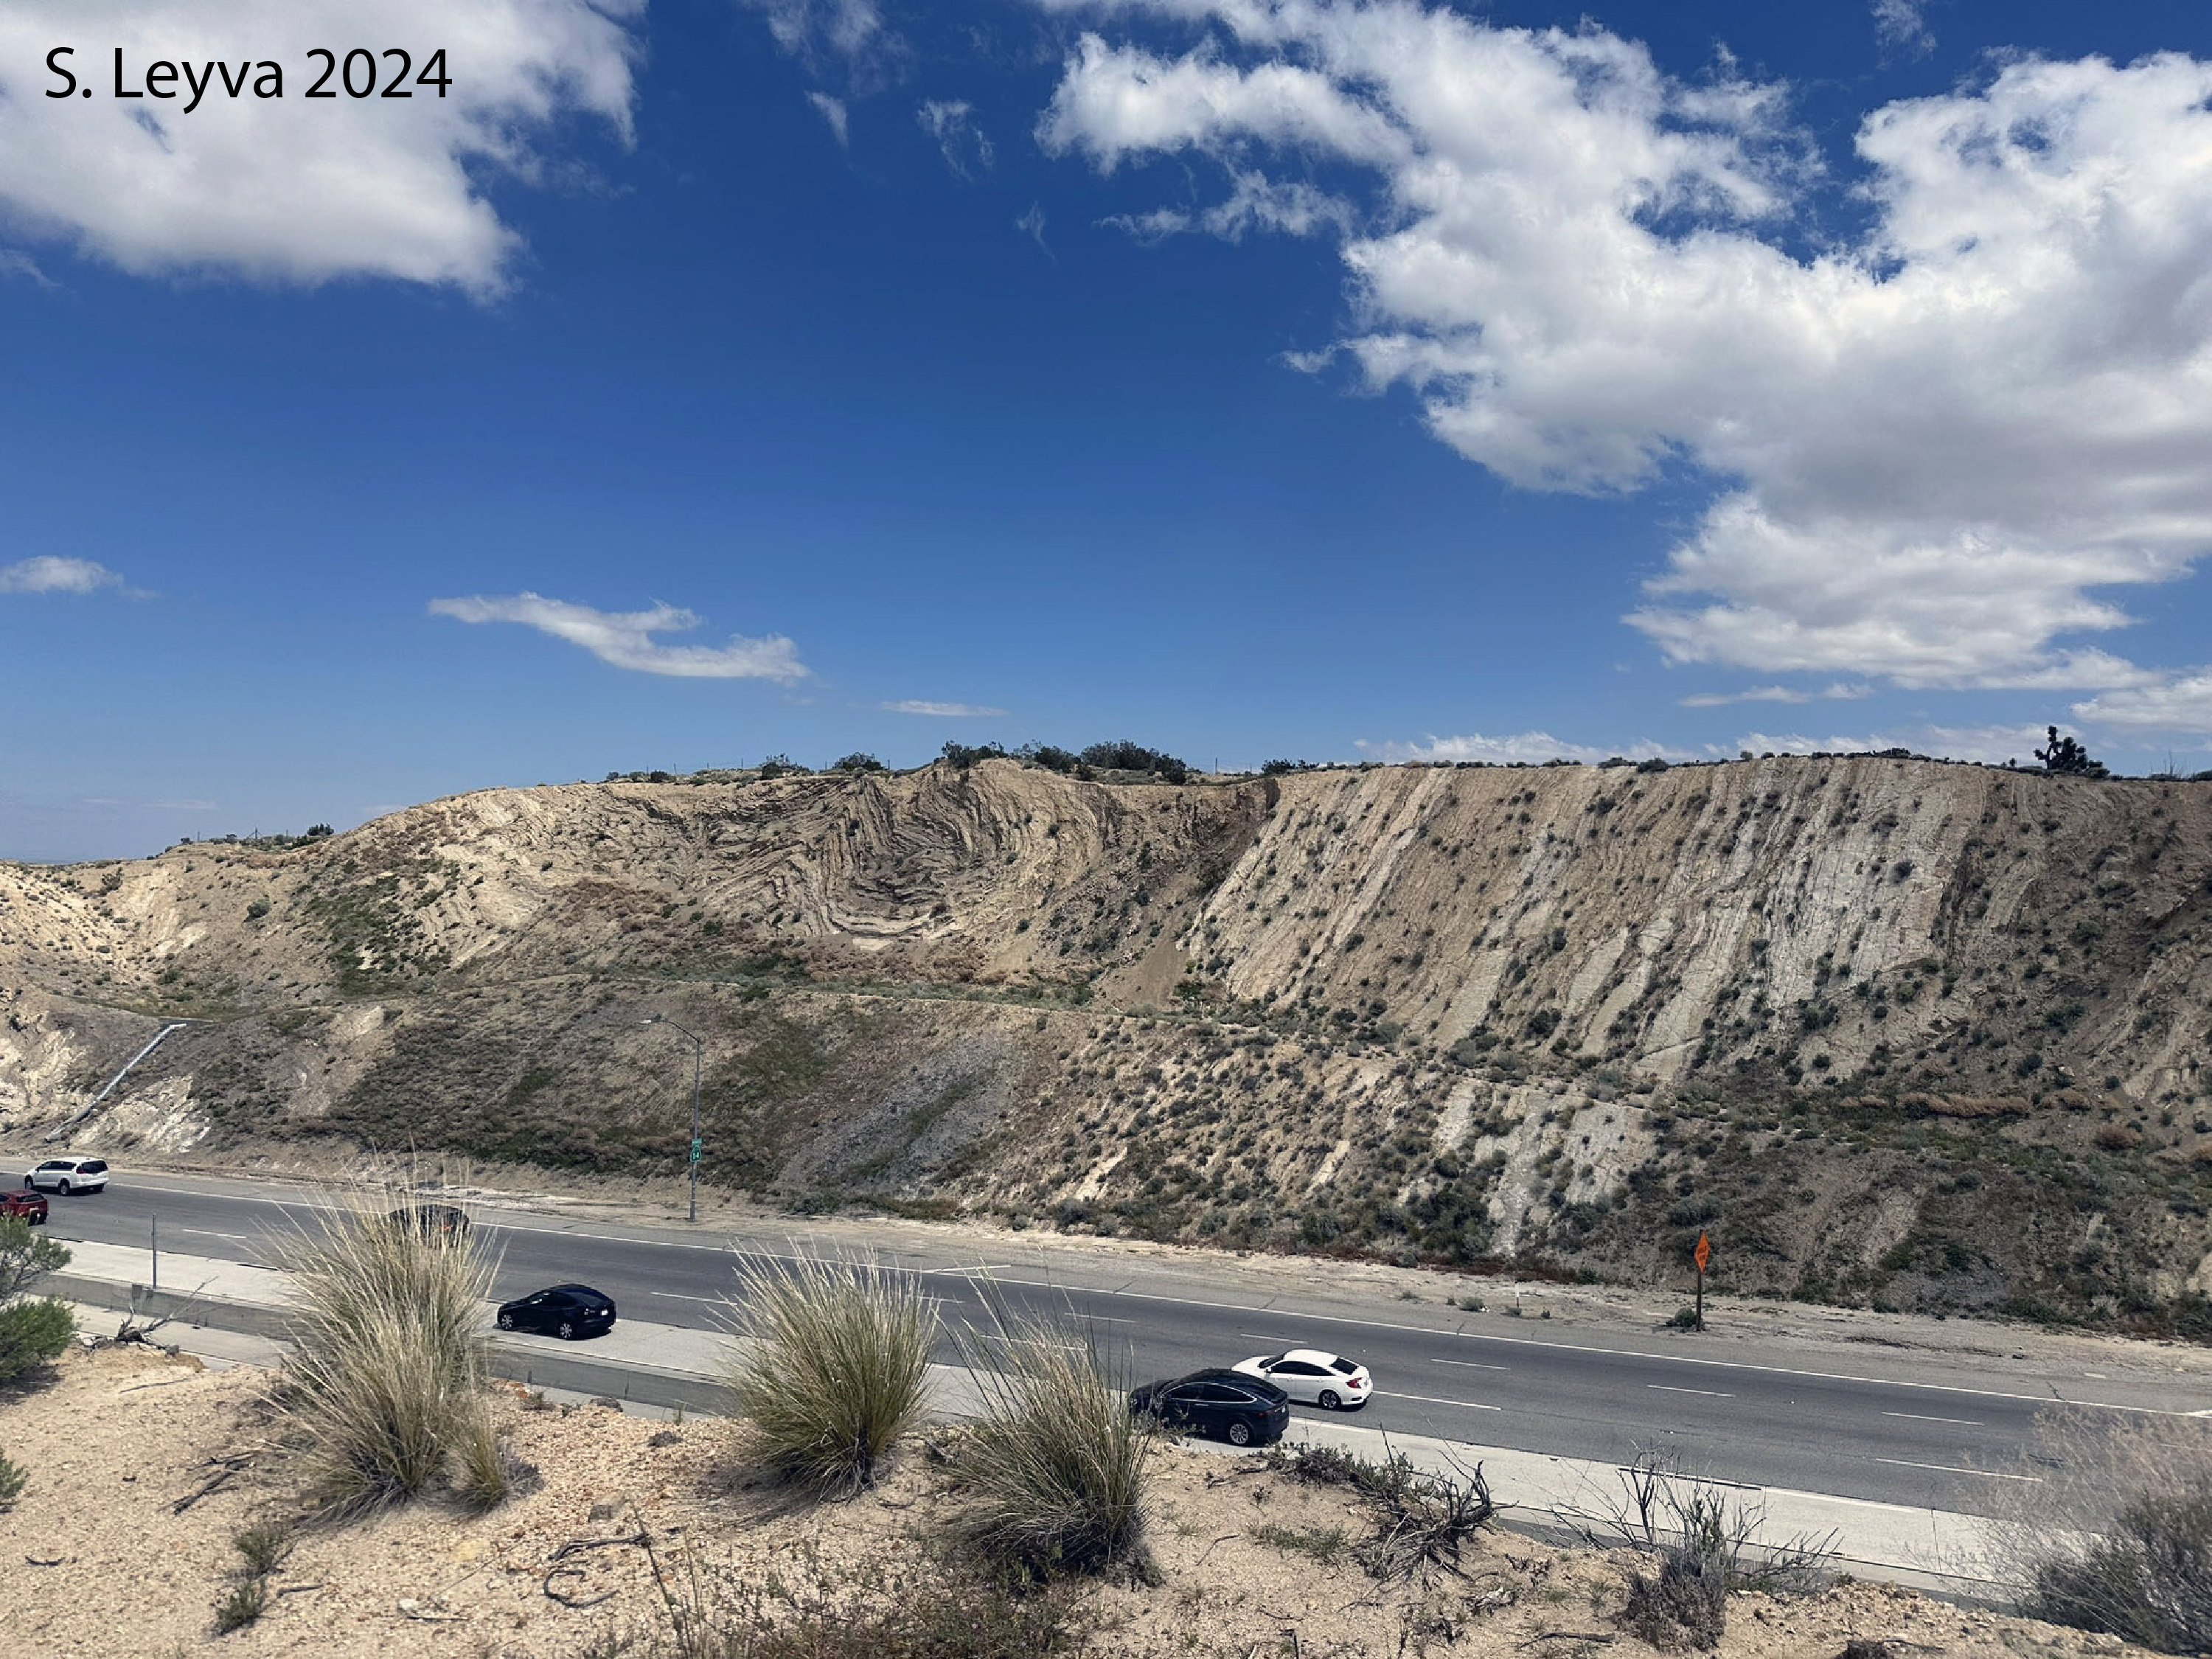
(1431, 1399)
(1473, 1364)
(1952, 1468)
(209, 1232)
(1963, 1422)
(678, 1296)
(1669, 1388)
(962, 1273)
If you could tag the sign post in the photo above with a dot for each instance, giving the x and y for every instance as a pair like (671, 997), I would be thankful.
(1701, 1255)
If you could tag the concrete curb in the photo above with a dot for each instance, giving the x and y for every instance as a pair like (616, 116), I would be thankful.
(578, 1373)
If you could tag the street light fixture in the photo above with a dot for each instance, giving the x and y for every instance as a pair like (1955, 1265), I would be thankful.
(698, 1064)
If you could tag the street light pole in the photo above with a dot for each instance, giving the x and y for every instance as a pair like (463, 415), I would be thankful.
(698, 1067)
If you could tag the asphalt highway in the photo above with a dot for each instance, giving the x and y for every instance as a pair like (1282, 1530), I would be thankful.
(1939, 1433)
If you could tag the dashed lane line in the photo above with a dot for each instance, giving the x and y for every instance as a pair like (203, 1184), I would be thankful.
(1961, 1422)
(1954, 1469)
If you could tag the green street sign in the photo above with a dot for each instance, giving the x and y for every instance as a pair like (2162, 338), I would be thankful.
(697, 1147)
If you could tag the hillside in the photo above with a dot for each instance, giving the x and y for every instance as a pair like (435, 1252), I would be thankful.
(1893, 1030)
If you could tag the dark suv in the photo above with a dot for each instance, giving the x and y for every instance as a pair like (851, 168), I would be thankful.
(431, 1220)
(1242, 1410)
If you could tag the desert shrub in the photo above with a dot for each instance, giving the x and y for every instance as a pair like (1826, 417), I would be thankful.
(1693, 1544)
(856, 761)
(27, 1256)
(33, 1333)
(835, 1367)
(390, 1352)
(2116, 1537)
(247, 1601)
(13, 1479)
(1421, 1517)
(1123, 756)
(1061, 1466)
(1050, 756)
(264, 1545)
(965, 754)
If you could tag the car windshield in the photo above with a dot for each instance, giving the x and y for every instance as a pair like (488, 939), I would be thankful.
(1345, 1366)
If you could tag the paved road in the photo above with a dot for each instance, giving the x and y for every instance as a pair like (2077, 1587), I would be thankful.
(1921, 1432)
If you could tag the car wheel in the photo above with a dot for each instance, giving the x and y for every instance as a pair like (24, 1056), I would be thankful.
(64, 1189)
(568, 1330)
(1331, 1400)
(507, 1321)
(1240, 1433)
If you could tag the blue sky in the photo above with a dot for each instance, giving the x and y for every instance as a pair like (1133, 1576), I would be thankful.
(701, 381)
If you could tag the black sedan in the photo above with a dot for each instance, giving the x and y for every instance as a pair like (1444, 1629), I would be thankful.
(1242, 1410)
(568, 1311)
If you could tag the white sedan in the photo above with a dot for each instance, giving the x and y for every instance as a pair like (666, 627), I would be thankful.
(1327, 1380)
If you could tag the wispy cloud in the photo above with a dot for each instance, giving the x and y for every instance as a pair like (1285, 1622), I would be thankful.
(833, 112)
(625, 640)
(1899, 25)
(955, 711)
(48, 574)
(1531, 746)
(1775, 694)
(1031, 225)
(13, 264)
(951, 123)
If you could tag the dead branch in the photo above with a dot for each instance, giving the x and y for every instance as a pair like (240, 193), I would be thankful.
(577, 1547)
(228, 1466)
(132, 1331)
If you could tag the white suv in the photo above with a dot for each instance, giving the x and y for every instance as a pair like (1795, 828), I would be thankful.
(68, 1174)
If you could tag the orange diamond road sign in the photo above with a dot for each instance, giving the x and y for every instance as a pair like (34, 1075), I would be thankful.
(1704, 1252)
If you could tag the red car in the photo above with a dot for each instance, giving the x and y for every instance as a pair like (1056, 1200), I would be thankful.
(26, 1205)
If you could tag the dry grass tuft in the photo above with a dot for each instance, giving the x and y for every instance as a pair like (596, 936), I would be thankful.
(1060, 1465)
(834, 1369)
(392, 1351)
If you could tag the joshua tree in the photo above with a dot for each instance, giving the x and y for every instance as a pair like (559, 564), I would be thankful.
(2066, 754)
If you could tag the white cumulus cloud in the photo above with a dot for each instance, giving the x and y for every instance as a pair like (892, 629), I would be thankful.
(287, 189)
(625, 639)
(48, 574)
(1940, 453)
(2181, 703)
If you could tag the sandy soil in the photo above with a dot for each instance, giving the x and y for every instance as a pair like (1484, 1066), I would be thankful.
(96, 1560)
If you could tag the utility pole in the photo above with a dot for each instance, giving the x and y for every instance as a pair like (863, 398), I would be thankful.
(698, 1069)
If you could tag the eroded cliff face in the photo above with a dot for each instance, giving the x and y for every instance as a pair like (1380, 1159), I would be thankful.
(1887, 1027)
